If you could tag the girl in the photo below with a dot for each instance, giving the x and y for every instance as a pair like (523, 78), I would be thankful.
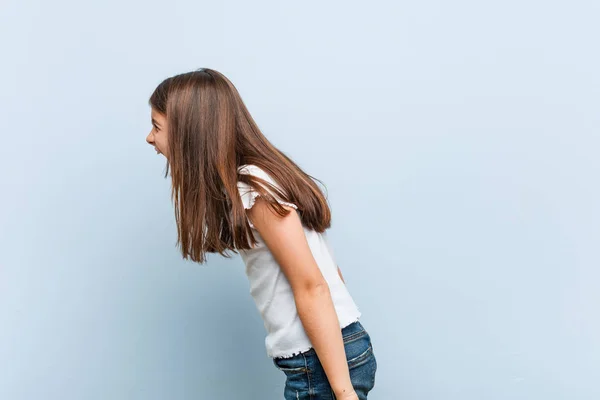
(234, 191)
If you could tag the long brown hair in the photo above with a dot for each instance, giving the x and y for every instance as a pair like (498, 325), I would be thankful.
(210, 135)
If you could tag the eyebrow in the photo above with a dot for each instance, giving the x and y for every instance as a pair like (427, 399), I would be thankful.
(154, 122)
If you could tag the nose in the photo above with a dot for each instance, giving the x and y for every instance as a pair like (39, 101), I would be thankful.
(150, 139)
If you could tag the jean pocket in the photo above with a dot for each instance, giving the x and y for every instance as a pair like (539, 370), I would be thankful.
(361, 359)
(359, 349)
(292, 365)
(362, 372)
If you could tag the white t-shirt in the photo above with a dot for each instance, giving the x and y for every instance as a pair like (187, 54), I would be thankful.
(271, 290)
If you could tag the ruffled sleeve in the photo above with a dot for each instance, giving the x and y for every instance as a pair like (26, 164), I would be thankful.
(249, 195)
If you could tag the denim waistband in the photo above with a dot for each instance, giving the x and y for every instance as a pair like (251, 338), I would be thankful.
(349, 333)
(352, 329)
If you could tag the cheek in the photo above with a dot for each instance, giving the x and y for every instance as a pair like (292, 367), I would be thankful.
(163, 142)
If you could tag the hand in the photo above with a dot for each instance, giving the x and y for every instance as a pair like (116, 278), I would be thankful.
(347, 396)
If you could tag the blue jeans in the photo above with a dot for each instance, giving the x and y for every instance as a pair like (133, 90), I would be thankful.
(306, 379)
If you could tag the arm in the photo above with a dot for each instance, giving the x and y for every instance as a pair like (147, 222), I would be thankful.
(286, 240)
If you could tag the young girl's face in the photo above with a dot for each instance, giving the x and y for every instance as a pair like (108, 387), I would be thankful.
(158, 135)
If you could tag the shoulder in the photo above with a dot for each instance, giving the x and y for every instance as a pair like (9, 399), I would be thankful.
(254, 170)
(249, 194)
(258, 172)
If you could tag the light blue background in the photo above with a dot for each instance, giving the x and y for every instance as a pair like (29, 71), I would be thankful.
(458, 142)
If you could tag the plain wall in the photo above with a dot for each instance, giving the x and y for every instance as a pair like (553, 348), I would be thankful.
(457, 141)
